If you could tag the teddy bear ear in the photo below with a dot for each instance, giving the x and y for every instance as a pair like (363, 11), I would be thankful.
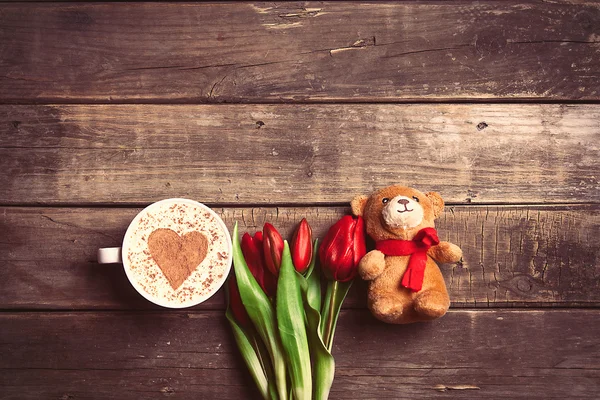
(358, 205)
(437, 202)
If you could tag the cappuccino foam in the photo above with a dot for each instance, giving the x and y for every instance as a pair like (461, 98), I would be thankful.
(184, 219)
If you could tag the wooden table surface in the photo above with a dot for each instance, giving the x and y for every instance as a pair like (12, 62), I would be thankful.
(275, 111)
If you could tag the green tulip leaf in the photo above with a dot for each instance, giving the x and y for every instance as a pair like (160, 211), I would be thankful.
(261, 313)
(254, 363)
(292, 329)
(323, 363)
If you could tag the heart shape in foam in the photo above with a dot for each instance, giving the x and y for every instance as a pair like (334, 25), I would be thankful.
(177, 256)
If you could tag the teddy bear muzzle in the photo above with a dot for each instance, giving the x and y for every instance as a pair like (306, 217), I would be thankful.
(402, 212)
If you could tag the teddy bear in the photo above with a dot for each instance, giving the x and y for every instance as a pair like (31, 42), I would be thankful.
(405, 283)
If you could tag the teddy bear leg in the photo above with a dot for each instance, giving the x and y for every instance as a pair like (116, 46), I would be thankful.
(431, 304)
(386, 307)
(392, 308)
(433, 300)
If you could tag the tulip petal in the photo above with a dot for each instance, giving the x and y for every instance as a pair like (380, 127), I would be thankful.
(342, 248)
(337, 251)
(360, 246)
(254, 258)
(273, 247)
(270, 283)
(301, 246)
(235, 303)
(292, 329)
(261, 313)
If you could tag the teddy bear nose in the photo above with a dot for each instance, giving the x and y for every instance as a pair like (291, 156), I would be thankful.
(403, 201)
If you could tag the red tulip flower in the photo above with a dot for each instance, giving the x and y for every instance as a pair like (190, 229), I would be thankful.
(235, 303)
(342, 248)
(301, 246)
(273, 248)
(252, 249)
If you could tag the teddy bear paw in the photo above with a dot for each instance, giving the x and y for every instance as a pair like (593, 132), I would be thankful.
(432, 304)
(446, 252)
(371, 265)
(454, 253)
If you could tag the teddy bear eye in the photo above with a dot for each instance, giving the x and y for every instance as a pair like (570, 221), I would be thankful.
(385, 200)
(416, 198)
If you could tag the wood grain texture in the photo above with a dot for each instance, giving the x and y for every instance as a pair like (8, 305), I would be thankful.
(513, 256)
(299, 51)
(309, 154)
(503, 354)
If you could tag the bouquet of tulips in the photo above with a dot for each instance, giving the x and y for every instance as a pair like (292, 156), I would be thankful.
(281, 323)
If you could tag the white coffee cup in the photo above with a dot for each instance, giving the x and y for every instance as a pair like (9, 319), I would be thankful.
(146, 276)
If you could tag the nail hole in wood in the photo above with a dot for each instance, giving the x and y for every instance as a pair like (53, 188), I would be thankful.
(481, 126)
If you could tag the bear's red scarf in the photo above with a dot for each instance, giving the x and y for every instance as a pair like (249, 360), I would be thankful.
(417, 250)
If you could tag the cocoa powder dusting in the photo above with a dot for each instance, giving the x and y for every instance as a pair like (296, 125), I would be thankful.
(177, 256)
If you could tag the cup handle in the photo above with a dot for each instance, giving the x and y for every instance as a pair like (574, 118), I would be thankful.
(110, 255)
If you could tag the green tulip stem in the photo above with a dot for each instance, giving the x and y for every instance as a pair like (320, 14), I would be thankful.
(330, 316)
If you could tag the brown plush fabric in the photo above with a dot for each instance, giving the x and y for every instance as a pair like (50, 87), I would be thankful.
(386, 213)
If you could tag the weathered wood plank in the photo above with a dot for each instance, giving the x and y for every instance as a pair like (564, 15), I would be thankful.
(269, 154)
(514, 256)
(553, 354)
(300, 51)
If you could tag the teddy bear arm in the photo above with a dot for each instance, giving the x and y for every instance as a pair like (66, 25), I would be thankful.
(445, 252)
(371, 265)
